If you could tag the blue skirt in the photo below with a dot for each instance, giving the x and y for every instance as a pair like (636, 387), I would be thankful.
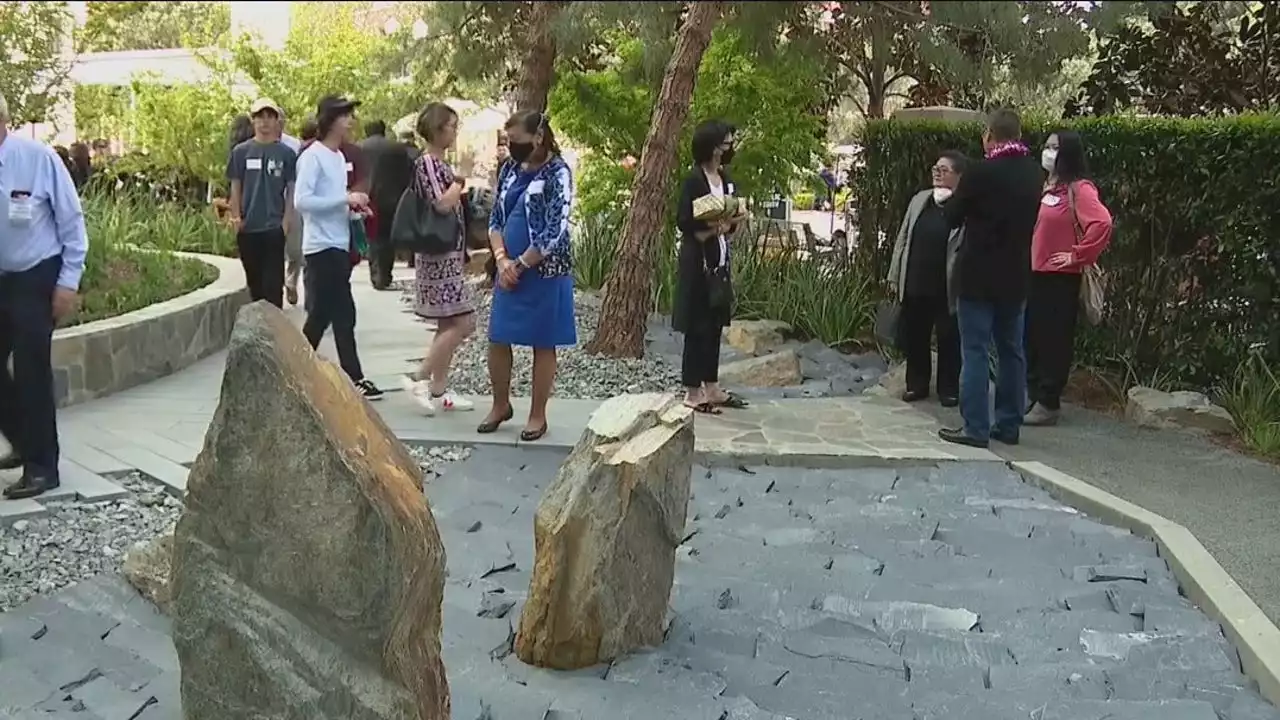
(537, 313)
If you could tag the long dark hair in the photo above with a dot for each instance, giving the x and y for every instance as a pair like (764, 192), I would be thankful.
(1071, 164)
(241, 129)
(532, 122)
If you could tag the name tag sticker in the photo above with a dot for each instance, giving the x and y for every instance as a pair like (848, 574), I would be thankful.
(1051, 200)
(729, 189)
(351, 167)
(20, 208)
(253, 164)
(537, 186)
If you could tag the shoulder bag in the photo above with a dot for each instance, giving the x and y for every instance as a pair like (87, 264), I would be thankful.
(1093, 281)
(420, 228)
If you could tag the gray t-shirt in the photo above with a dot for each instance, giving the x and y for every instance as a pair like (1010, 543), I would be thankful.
(265, 170)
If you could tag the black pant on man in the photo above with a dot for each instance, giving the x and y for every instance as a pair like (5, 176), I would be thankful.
(921, 316)
(262, 256)
(382, 252)
(28, 411)
(1053, 308)
(330, 304)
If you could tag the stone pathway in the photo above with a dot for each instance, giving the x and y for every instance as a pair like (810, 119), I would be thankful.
(158, 428)
(917, 593)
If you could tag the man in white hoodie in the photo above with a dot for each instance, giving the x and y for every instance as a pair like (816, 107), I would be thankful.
(326, 207)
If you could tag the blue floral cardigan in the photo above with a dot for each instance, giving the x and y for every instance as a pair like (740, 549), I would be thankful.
(547, 204)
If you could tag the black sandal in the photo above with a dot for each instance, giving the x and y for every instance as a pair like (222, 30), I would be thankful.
(733, 401)
(705, 408)
(489, 427)
(533, 435)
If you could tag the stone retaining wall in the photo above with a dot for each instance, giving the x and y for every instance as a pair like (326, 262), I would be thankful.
(106, 356)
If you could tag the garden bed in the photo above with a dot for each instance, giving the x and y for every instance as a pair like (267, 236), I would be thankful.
(120, 280)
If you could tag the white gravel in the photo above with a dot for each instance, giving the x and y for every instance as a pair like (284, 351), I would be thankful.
(76, 540)
(579, 374)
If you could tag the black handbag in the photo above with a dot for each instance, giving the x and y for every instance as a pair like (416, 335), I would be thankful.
(420, 228)
(720, 289)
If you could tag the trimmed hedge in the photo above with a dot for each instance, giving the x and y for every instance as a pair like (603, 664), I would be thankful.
(1194, 264)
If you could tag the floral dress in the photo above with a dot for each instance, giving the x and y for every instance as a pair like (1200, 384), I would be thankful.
(440, 287)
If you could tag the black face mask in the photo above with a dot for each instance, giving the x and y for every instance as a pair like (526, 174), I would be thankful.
(726, 157)
(520, 152)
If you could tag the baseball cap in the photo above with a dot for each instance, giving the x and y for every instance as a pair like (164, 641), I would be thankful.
(264, 104)
(333, 105)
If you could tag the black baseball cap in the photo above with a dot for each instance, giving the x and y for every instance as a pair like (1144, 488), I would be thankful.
(335, 105)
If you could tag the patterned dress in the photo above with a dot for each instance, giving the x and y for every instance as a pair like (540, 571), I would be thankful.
(441, 290)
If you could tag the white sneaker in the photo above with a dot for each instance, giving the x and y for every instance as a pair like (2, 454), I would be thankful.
(449, 402)
(420, 391)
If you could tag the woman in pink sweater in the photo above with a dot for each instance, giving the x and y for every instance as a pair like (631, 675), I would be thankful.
(1072, 230)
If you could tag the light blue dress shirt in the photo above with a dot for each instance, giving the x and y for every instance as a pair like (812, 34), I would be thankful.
(56, 222)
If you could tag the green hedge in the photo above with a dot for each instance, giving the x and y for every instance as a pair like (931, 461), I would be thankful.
(1195, 260)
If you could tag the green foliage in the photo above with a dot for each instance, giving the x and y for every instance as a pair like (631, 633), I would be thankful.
(119, 277)
(102, 111)
(1193, 265)
(33, 73)
(137, 218)
(153, 25)
(184, 128)
(606, 112)
(768, 283)
(1253, 399)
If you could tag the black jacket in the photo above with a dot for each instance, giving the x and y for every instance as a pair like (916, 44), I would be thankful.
(997, 202)
(390, 171)
(692, 304)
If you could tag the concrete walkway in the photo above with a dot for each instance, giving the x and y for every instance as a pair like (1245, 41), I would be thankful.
(1230, 502)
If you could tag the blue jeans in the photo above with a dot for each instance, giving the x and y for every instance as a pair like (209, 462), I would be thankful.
(981, 324)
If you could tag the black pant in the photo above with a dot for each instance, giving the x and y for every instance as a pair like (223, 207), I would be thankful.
(1053, 305)
(921, 317)
(28, 412)
(329, 304)
(382, 259)
(700, 359)
(262, 255)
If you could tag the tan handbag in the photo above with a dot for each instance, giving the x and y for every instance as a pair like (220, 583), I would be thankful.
(1093, 280)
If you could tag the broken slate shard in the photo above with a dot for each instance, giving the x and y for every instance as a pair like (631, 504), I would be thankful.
(308, 574)
(606, 534)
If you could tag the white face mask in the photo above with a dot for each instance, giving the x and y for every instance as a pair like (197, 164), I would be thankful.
(941, 194)
(1048, 158)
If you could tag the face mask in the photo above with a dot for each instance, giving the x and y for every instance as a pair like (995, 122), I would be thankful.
(520, 151)
(1048, 159)
(726, 157)
(941, 194)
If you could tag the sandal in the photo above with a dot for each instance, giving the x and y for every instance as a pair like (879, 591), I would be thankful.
(488, 427)
(734, 401)
(533, 435)
(705, 408)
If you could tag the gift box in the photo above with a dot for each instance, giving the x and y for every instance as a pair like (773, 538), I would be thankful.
(713, 208)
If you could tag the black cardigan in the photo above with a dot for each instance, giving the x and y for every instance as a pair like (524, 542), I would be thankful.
(692, 311)
(694, 186)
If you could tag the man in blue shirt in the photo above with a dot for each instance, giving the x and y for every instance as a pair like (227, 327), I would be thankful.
(42, 250)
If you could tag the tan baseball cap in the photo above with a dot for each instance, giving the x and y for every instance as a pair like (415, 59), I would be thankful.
(264, 104)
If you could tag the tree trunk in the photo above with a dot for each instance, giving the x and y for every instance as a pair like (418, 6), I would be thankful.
(538, 71)
(628, 297)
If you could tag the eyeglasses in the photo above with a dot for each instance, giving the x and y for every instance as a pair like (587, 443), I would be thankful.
(941, 169)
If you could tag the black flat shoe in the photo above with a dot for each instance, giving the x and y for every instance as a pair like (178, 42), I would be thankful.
(948, 401)
(10, 462)
(30, 486)
(1006, 438)
(911, 396)
(533, 435)
(959, 437)
(488, 427)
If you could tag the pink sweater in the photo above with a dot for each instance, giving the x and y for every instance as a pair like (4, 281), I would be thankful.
(1056, 228)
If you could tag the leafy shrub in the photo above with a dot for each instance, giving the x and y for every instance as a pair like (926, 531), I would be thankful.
(137, 219)
(120, 277)
(1195, 261)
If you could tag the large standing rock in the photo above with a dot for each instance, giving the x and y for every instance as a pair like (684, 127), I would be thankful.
(779, 369)
(606, 534)
(308, 574)
(1158, 409)
(756, 336)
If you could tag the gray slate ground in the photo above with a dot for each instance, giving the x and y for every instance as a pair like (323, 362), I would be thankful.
(954, 592)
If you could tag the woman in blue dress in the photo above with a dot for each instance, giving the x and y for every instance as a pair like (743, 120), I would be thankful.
(533, 292)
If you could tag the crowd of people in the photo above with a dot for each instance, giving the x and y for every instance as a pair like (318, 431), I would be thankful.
(994, 254)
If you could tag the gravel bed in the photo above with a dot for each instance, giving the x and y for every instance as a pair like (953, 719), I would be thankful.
(579, 375)
(76, 541)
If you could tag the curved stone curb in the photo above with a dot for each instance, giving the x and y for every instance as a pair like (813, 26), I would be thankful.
(1205, 582)
(106, 356)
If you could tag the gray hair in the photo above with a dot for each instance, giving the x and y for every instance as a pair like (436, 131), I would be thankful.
(4, 110)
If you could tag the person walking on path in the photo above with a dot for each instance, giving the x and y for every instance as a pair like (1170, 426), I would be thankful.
(996, 202)
(390, 173)
(533, 294)
(43, 244)
(441, 292)
(704, 252)
(262, 171)
(326, 206)
(1072, 230)
(921, 276)
(293, 241)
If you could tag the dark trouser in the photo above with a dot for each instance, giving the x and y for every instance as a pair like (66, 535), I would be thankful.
(262, 255)
(329, 304)
(921, 316)
(28, 414)
(1053, 306)
(981, 325)
(382, 259)
(700, 359)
